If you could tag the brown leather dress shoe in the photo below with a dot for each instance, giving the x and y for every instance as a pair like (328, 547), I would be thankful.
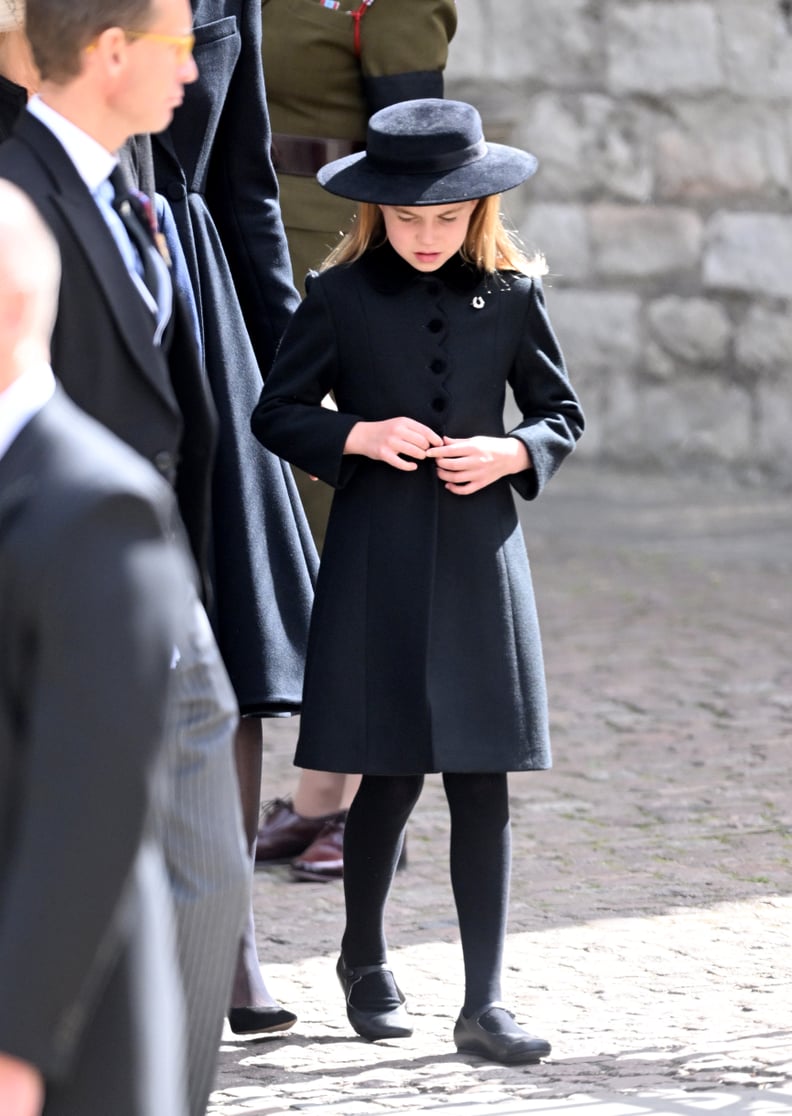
(323, 860)
(284, 834)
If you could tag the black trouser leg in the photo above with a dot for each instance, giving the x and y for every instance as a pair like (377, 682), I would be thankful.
(372, 843)
(480, 875)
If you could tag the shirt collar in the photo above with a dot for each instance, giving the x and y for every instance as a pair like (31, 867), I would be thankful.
(23, 399)
(93, 162)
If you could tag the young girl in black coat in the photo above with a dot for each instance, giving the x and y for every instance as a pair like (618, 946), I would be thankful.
(424, 653)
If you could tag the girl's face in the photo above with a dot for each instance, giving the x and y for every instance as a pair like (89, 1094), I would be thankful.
(427, 235)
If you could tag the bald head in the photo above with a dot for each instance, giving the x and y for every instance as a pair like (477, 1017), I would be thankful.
(29, 283)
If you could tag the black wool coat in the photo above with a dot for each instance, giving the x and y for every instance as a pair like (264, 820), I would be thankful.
(213, 166)
(13, 99)
(424, 652)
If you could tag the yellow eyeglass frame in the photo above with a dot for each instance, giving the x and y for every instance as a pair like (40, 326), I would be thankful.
(183, 43)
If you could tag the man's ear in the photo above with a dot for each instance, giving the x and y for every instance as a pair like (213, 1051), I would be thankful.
(108, 50)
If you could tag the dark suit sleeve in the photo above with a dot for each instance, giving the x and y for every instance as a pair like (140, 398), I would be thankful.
(103, 621)
(242, 196)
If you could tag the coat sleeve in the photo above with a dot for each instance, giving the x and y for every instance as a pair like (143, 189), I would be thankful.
(242, 195)
(289, 418)
(552, 418)
(102, 621)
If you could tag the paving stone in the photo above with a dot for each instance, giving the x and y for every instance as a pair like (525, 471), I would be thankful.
(652, 891)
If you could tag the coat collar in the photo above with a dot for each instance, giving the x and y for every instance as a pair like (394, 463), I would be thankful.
(389, 273)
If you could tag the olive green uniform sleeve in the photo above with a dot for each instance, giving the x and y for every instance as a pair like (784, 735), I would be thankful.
(398, 36)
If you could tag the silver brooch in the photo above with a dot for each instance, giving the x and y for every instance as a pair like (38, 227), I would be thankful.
(477, 303)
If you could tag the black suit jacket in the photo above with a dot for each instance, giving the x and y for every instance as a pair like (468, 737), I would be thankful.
(92, 595)
(155, 399)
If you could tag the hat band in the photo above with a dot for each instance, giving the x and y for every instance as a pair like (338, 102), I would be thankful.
(452, 161)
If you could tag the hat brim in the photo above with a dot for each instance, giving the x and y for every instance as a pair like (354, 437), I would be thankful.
(501, 168)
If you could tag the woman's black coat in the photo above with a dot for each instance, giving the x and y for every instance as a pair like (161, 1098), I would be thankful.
(213, 166)
(13, 99)
(424, 653)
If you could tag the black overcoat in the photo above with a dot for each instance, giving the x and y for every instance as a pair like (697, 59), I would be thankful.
(92, 598)
(213, 166)
(424, 652)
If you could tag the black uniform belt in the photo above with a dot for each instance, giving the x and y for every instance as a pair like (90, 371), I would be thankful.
(304, 155)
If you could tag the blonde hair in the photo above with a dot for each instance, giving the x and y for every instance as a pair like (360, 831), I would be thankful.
(488, 245)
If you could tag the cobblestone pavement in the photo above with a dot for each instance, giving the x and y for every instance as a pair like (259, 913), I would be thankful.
(652, 895)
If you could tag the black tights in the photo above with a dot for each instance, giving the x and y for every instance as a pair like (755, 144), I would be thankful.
(480, 870)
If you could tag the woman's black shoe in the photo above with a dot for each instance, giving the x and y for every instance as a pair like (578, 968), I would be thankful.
(389, 1019)
(261, 1020)
(492, 1033)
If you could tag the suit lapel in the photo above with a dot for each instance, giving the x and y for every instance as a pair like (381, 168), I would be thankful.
(82, 217)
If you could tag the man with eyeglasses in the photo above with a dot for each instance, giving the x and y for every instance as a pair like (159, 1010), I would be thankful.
(124, 350)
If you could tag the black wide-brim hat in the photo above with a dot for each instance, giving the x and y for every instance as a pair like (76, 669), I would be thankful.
(427, 152)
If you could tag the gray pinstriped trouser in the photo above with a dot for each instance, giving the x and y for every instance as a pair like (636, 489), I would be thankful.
(204, 845)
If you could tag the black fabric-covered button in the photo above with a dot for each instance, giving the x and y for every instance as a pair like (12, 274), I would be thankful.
(438, 366)
(435, 325)
(438, 404)
(175, 190)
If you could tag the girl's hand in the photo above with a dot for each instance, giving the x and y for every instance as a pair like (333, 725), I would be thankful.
(469, 464)
(386, 441)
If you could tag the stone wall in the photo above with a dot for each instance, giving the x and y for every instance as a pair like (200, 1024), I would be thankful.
(662, 202)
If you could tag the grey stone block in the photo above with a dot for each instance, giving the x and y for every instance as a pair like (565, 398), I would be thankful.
(658, 364)
(764, 344)
(694, 330)
(560, 232)
(663, 48)
(757, 48)
(599, 330)
(749, 252)
(705, 420)
(644, 241)
(714, 149)
(513, 42)
(773, 445)
(589, 145)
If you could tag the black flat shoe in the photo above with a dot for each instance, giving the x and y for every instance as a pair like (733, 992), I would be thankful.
(391, 1021)
(260, 1020)
(492, 1033)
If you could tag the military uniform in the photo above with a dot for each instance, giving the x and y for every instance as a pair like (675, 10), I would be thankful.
(323, 82)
